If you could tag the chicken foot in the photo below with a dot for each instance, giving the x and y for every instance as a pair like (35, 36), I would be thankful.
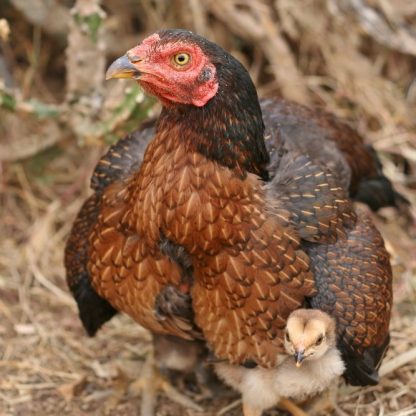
(284, 404)
(325, 403)
(150, 383)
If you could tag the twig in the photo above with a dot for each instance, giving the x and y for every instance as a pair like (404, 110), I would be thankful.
(29, 144)
(12, 100)
(392, 34)
(256, 25)
(30, 366)
(47, 14)
(4, 30)
(84, 99)
(25, 140)
(397, 362)
(229, 407)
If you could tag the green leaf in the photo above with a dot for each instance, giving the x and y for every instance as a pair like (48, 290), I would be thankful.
(7, 101)
(92, 22)
(42, 110)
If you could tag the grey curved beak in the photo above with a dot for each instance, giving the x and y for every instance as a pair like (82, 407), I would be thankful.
(122, 68)
(299, 357)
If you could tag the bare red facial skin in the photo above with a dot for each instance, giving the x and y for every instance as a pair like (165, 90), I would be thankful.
(194, 83)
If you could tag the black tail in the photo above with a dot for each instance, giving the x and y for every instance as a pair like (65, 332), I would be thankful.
(363, 371)
(378, 192)
(94, 311)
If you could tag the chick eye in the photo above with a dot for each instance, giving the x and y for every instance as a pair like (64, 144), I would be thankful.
(181, 59)
(287, 336)
(319, 340)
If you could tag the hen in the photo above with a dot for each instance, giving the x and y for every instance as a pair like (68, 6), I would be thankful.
(195, 220)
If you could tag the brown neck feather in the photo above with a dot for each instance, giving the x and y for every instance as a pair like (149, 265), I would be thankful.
(229, 129)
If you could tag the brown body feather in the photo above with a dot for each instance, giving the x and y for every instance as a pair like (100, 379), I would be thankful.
(321, 216)
(350, 264)
(304, 195)
(248, 269)
(354, 277)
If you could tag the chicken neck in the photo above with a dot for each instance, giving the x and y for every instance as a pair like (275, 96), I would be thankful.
(229, 129)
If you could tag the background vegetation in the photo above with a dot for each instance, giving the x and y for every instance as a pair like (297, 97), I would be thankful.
(356, 58)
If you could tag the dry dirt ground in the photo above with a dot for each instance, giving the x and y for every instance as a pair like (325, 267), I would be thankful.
(48, 365)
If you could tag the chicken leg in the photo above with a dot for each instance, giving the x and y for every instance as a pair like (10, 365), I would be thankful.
(251, 411)
(284, 404)
(291, 407)
(153, 381)
(326, 402)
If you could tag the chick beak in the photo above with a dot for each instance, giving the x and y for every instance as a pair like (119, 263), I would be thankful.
(299, 357)
(122, 68)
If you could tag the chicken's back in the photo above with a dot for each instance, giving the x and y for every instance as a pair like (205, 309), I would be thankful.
(333, 143)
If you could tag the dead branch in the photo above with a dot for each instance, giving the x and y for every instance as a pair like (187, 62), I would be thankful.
(85, 80)
(392, 33)
(54, 19)
(27, 136)
(254, 23)
(31, 140)
(48, 14)
(11, 99)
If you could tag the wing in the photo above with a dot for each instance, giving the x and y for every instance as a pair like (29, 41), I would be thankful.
(333, 143)
(122, 158)
(172, 303)
(354, 282)
(319, 207)
(131, 271)
(94, 311)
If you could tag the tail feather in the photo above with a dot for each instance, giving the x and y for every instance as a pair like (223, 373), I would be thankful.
(94, 311)
(364, 371)
(378, 192)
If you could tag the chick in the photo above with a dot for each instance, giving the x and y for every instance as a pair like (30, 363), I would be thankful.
(312, 363)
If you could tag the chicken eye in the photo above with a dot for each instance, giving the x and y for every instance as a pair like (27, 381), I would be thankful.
(287, 336)
(181, 59)
(319, 340)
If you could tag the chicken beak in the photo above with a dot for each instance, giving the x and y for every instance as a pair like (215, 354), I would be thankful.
(122, 68)
(299, 357)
